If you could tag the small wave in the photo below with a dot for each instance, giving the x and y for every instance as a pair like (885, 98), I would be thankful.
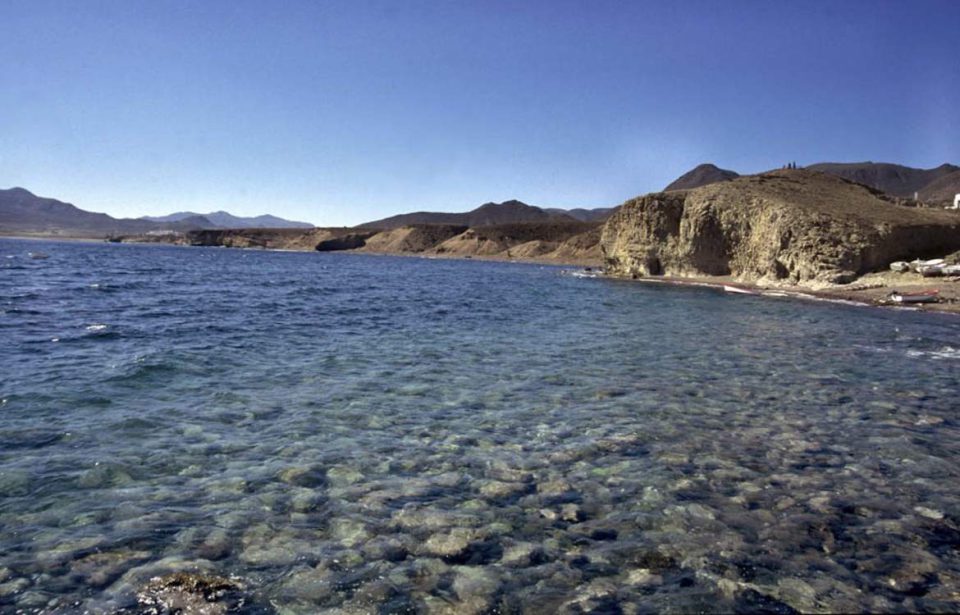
(29, 438)
(144, 370)
(872, 348)
(581, 273)
(946, 352)
(96, 327)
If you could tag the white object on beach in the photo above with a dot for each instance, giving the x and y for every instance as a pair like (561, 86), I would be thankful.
(931, 271)
(739, 290)
(918, 265)
(926, 296)
(900, 266)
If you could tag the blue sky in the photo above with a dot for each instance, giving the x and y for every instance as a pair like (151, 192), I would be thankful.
(341, 112)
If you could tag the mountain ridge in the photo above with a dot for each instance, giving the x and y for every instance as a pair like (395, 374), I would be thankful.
(488, 214)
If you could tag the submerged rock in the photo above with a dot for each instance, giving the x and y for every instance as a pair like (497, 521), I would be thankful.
(101, 569)
(190, 593)
(304, 476)
(449, 544)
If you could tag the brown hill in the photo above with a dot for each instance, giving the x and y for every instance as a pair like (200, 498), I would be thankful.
(894, 179)
(701, 175)
(788, 226)
(942, 190)
(508, 212)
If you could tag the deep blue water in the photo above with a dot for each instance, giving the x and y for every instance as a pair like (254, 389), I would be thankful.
(381, 434)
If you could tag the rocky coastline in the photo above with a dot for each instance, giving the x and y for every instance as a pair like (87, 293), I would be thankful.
(790, 231)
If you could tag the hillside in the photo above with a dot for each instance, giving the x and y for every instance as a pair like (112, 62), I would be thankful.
(932, 186)
(523, 240)
(897, 179)
(412, 239)
(787, 227)
(508, 212)
(223, 219)
(942, 190)
(701, 175)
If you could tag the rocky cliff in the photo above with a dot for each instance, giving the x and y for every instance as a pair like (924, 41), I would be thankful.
(566, 241)
(324, 239)
(787, 226)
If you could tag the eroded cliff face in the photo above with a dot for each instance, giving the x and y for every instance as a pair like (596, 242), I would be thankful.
(789, 226)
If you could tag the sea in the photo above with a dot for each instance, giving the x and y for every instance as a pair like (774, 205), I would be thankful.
(286, 432)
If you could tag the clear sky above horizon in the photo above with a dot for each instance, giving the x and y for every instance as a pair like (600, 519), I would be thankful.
(338, 113)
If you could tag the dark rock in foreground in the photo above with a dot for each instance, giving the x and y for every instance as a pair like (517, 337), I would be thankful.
(190, 593)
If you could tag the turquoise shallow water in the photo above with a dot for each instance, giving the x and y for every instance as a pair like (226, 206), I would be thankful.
(376, 434)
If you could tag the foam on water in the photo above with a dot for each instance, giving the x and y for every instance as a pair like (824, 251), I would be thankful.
(944, 352)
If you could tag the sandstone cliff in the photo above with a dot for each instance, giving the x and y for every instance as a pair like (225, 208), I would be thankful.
(412, 239)
(787, 226)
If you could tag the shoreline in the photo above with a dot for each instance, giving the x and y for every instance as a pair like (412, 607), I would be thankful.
(493, 258)
(869, 290)
(861, 293)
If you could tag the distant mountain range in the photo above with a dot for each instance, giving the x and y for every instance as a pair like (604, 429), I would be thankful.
(936, 186)
(21, 211)
(489, 214)
(24, 212)
(223, 219)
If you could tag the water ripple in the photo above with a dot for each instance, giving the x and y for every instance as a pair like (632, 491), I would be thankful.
(386, 434)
